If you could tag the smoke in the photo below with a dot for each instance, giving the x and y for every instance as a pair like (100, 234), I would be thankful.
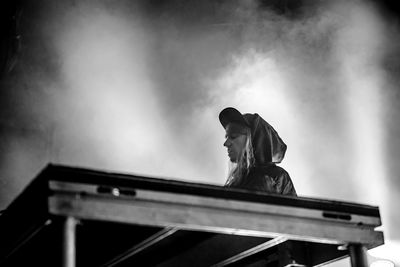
(288, 73)
(136, 87)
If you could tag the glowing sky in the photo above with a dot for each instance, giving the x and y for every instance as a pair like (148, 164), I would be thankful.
(135, 87)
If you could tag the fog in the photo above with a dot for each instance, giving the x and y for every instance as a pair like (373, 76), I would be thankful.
(136, 87)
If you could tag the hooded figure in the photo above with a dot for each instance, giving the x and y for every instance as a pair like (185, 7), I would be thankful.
(254, 148)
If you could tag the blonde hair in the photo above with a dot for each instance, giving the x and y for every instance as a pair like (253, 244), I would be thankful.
(238, 171)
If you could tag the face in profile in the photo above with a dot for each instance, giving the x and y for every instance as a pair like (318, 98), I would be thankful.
(235, 140)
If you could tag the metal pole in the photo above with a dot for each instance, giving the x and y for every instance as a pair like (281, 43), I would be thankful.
(358, 255)
(69, 242)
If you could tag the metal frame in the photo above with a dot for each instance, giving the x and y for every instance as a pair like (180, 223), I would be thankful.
(267, 227)
(141, 246)
(273, 242)
(180, 211)
(211, 214)
(69, 241)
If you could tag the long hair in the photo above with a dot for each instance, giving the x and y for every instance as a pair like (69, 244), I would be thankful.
(239, 171)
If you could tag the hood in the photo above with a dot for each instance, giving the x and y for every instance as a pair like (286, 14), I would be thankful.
(268, 147)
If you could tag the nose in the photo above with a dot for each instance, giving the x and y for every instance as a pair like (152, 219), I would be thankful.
(226, 143)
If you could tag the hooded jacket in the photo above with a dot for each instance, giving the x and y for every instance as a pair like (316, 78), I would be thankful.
(268, 150)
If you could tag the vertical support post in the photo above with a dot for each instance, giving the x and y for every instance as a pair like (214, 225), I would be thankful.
(358, 255)
(69, 242)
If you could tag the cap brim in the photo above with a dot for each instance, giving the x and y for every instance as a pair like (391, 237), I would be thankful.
(229, 115)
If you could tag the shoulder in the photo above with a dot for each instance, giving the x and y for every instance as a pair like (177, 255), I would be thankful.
(278, 178)
(273, 172)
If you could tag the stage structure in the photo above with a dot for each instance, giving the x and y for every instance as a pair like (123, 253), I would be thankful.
(79, 217)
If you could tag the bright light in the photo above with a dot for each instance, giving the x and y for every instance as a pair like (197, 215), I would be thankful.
(382, 263)
(389, 251)
(357, 49)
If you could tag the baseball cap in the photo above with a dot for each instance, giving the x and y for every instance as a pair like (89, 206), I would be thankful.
(229, 115)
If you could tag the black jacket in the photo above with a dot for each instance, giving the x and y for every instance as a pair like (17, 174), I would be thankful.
(268, 149)
(272, 179)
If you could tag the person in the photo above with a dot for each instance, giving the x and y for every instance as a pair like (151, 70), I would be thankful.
(254, 149)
